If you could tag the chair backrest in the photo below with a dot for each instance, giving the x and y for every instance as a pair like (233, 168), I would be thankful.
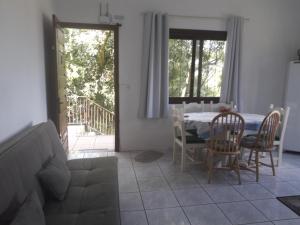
(193, 107)
(218, 107)
(284, 115)
(284, 119)
(177, 111)
(206, 107)
(226, 132)
(178, 123)
(268, 129)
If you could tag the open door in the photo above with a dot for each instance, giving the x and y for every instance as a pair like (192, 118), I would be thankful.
(59, 116)
(85, 112)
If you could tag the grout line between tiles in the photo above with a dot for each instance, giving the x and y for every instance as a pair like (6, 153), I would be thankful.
(181, 207)
(234, 187)
(218, 207)
(259, 209)
(138, 185)
(164, 176)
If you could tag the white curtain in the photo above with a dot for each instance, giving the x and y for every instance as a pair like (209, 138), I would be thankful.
(155, 83)
(230, 90)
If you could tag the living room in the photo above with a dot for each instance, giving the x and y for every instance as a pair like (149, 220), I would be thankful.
(269, 42)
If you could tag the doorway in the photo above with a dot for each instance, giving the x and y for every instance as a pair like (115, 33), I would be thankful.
(87, 86)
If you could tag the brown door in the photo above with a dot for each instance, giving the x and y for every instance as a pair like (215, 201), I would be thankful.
(59, 78)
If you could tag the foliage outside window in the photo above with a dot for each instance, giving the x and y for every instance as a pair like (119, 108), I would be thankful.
(89, 60)
(196, 60)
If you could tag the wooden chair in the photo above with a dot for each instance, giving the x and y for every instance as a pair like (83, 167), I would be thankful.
(188, 144)
(225, 136)
(263, 141)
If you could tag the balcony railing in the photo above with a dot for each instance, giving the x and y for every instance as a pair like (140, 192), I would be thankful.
(84, 111)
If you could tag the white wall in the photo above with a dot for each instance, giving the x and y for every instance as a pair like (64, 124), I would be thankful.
(271, 38)
(22, 65)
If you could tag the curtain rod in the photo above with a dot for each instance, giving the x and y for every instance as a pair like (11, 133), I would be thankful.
(203, 17)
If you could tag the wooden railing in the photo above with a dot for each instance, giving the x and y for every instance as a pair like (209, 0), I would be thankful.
(84, 111)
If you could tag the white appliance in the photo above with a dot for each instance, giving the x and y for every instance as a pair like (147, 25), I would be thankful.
(292, 99)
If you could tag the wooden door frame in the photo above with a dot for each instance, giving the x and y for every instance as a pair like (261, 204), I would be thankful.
(115, 29)
(54, 100)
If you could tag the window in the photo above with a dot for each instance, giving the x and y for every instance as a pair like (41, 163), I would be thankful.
(196, 60)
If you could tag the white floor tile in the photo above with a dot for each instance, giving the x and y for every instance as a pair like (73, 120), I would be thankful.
(206, 215)
(273, 209)
(242, 213)
(169, 216)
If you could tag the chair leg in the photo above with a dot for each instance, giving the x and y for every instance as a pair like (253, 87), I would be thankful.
(272, 163)
(229, 163)
(210, 167)
(257, 165)
(207, 158)
(174, 152)
(280, 152)
(250, 157)
(182, 158)
(238, 169)
(194, 152)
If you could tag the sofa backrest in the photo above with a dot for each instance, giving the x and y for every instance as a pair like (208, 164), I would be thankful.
(21, 158)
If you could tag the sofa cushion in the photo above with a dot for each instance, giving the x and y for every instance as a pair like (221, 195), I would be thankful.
(30, 212)
(93, 196)
(55, 178)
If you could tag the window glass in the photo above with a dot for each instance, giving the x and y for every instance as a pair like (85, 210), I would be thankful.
(196, 60)
(180, 58)
(197, 78)
(212, 67)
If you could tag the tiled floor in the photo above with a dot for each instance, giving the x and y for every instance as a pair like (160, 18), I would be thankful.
(159, 194)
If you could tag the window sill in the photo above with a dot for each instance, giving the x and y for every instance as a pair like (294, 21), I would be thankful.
(180, 100)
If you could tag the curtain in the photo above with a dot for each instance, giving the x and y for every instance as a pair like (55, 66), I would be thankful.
(230, 90)
(155, 82)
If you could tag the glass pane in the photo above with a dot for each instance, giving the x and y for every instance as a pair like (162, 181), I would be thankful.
(212, 66)
(180, 58)
(90, 65)
(196, 68)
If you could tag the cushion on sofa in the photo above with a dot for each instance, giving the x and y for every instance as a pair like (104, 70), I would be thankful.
(30, 212)
(55, 178)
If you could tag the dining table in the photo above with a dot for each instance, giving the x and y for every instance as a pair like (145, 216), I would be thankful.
(200, 121)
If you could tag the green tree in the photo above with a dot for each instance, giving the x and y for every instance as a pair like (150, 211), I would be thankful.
(212, 66)
(89, 59)
(180, 58)
(180, 54)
